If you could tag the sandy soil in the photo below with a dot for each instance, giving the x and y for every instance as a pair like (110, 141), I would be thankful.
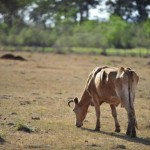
(35, 93)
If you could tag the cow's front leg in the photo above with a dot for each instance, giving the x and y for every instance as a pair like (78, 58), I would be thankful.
(97, 109)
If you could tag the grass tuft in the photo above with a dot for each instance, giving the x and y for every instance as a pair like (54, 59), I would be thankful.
(25, 128)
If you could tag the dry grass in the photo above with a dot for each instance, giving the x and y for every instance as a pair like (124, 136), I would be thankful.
(35, 93)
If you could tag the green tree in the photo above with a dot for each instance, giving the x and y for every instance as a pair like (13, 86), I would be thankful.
(137, 10)
(60, 10)
(9, 9)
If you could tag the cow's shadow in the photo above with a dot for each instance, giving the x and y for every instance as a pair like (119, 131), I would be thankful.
(145, 141)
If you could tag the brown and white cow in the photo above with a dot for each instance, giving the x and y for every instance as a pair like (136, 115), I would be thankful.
(111, 85)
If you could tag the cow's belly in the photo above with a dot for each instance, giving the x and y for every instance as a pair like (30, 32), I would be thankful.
(109, 97)
(113, 100)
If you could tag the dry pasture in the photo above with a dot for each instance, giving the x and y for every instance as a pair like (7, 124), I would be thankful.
(35, 93)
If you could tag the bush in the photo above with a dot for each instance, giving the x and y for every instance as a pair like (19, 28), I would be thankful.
(115, 33)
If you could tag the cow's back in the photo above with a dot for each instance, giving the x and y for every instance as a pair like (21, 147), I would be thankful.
(113, 85)
(105, 85)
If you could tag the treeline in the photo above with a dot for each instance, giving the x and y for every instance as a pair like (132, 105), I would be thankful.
(65, 23)
(115, 33)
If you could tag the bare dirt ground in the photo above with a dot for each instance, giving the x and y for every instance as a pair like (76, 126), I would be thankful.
(35, 93)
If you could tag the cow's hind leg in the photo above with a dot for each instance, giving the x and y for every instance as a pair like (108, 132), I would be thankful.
(128, 129)
(114, 114)
(131, 131)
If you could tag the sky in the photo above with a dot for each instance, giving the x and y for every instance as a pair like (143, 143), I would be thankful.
(97, 13)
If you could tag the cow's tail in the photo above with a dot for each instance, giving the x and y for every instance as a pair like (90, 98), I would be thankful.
(131, 98)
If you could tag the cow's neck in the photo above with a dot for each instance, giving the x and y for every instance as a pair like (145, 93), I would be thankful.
(85, 100)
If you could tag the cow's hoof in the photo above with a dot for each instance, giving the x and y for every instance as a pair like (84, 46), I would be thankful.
(128, 133)
(97, 129)
(133, 134)
(117, 130)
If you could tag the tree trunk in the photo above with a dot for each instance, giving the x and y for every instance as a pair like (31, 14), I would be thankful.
(142, 10)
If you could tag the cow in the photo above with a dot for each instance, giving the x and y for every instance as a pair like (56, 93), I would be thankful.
(111, 85)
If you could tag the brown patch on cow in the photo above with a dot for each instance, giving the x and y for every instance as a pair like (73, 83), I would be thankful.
(104, 76)
(121, 68)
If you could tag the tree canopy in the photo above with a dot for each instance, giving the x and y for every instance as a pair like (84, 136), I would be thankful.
(135, 10)
(70, 10)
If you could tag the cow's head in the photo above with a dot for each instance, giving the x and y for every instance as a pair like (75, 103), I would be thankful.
(78, 112)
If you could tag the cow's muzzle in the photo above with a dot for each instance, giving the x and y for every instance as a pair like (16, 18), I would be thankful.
(79, 125)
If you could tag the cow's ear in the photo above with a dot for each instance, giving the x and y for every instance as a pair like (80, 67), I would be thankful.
(76, 100)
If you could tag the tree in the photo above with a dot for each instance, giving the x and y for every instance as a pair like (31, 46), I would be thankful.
(135, 10)
(9, 9)
(60, 10)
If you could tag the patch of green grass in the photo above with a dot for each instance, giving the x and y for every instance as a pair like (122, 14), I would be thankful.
(26, 48)
(80, 50)
(85, 50)
(129, 52)
(25, 128)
